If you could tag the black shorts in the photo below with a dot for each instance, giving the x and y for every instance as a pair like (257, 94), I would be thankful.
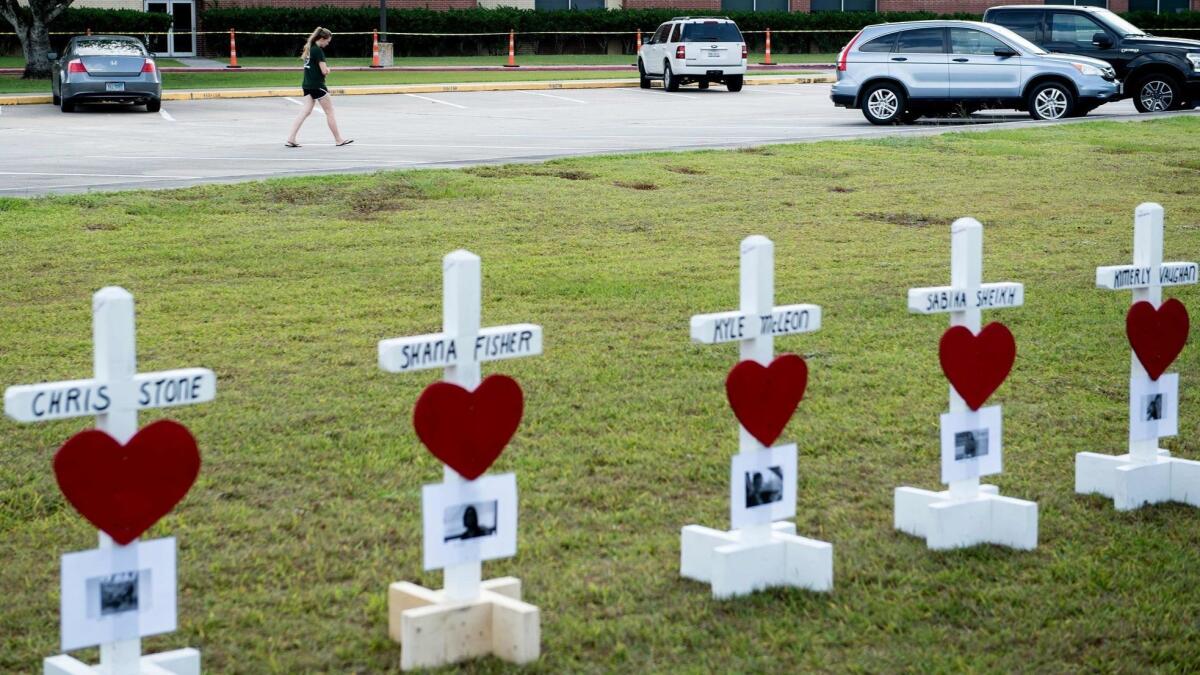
(316, 94)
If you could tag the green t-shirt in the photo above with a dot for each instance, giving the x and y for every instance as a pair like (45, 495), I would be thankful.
(313, 77)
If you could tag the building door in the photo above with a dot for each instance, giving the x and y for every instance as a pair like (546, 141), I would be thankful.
(181, 39)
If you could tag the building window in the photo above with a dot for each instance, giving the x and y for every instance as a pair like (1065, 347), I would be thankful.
(842, 6)
(1160, 6)
(754, 5)
(553, 5)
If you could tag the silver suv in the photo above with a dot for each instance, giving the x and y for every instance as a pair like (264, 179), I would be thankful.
(897, 72)
(694, 49)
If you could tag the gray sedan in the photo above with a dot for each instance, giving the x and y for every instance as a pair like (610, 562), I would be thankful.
(105, 68)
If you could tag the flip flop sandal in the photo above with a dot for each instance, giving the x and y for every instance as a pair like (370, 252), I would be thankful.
(345, 143)
(290, 144)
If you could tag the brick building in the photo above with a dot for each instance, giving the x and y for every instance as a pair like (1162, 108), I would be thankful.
(186, 12)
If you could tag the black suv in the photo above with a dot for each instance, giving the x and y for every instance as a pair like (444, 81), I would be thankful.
(1158, 73)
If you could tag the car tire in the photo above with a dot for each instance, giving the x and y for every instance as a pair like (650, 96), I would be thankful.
(66, 106)
(54, 97)
(670, 82)
(703, 84)
(1157, 92)
(1050, 101)
(643, 81)
(154, 105)
(884, 104)
(734, 82)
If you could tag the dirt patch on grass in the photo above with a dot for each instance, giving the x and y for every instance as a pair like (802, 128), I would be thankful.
(902, 219)
(100, 227)
(687, 170)
(299, 195)
(519, 171)
(635, 185)
(574, 175)
(840, 188)
(755, 151)
(368, 202)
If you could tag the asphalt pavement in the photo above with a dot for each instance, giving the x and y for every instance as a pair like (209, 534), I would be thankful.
(107, 148)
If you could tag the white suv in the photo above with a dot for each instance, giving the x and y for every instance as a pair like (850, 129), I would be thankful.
(694, 49)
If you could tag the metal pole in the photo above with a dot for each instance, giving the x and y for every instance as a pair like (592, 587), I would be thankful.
(383, 20)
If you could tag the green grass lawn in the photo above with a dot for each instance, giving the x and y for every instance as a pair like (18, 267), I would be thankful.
(13, 84)
(308, 504)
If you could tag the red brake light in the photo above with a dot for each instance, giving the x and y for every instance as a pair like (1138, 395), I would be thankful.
(148, 66)
(841, 65)
(76, 66)
(681, 52)
(744, 51)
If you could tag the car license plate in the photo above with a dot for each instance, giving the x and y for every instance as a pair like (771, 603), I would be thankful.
(114, 86)
(711, 53)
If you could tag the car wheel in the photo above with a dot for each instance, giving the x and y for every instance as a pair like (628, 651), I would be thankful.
(54, 98)
(643, 81)
(669, 81)
(154, 105)
(66, 105)
(883, 104)
(703, 84)
(1157, 93)
(1050, 101)
(734, 82)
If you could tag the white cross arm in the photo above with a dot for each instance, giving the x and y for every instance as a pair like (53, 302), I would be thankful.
(77, 398)
(1124, 277)
(940, 299)
(732, 326)
(438, 350)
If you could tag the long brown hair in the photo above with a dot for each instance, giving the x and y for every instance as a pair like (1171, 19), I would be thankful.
(318, 34)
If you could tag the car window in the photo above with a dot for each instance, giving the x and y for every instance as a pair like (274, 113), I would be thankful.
(1073, 29)
(711, 31)
(102, 47)
(1026, 23)
(968, 41)
(879, 44)
(921, 41)
(660, 35)
(675, 33)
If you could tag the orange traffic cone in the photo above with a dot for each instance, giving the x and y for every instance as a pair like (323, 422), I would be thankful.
(375, 51)
(232, 51)
(767, 61)
(637, 46)
(512, 51)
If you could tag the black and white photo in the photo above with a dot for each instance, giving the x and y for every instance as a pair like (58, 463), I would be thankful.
(970, 444)
(1153, 407)
(764, 486)
(470, 521)
(118, 593)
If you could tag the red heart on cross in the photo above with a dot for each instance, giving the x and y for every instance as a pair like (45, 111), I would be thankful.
(763, 398)
(977, 365)
(468, 430)
(124, 489)
(1157, 335)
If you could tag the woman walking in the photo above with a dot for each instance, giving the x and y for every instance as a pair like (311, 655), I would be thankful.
(315, 70)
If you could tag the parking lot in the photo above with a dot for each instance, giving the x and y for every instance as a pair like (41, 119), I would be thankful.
(44, 151)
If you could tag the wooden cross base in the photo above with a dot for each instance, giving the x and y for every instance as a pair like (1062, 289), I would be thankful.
(735, 568)
(433, 631)
(1132, 484)
(177, 662)
(947, 523)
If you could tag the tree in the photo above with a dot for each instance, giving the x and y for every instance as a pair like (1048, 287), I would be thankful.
(32, 26)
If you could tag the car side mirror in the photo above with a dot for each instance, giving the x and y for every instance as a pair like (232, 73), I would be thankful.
(51, 56)
(1004, 52)
(1102, 40)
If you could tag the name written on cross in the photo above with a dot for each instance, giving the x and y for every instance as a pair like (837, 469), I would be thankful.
(949, 299)
(57, 400)
(730, 326)
(1118, 277)
(438, 350)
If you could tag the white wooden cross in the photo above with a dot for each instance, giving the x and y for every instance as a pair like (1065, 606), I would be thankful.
(1146, 474)
(114, 395)
(770, 554)
(1146, 278)
(754, 327)
(460, 348)
(965, 299)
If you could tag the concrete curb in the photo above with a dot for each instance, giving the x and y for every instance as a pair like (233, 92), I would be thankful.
(169, 95)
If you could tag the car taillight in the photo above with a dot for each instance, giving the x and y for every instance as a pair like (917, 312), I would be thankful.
(841, 65)
(681, 52)
(76, 66)
(148, 66)
(744, 51)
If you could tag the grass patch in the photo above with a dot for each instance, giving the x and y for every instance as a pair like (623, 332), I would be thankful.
(308, 503)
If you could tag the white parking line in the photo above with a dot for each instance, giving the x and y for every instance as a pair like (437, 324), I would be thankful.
(434, 100)
(166, 115)
(561, 98)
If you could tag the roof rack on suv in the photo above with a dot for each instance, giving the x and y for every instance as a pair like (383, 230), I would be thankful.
(684, 18)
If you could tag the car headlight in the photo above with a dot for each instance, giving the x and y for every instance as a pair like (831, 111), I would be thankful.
(1194, 57)
(1087, 69)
